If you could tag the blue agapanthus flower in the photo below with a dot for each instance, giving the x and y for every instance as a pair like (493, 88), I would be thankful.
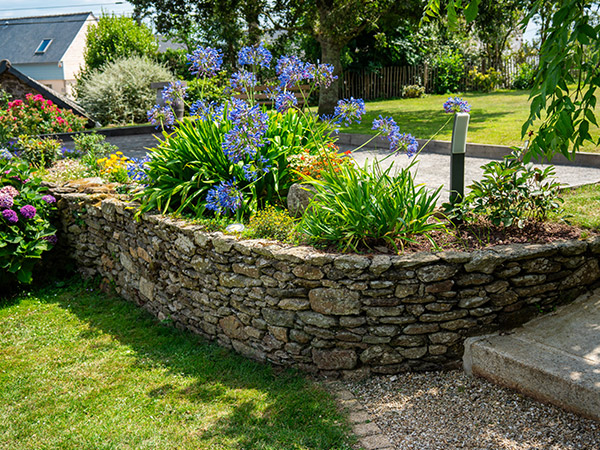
(292, 71)
(161, 116)
(173, 91)
(284, 101)
(249, 127)
(398, 141)
(322, 74)
(205, 61)
(136, 168)
(255, 56)
(207, 110)
(5, 154)
(243, 80)
(224, 197)
(456, 104)
(349, 111)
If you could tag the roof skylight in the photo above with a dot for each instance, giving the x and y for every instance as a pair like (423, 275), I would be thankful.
(43, 46)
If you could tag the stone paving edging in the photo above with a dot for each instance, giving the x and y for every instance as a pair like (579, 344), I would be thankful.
(369, 434)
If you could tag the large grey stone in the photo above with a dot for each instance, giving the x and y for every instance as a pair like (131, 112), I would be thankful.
(334, 301)
(299, 197)
(334, 359)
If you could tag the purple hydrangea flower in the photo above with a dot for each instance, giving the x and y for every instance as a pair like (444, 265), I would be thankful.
(255, 56)
(161, 116)
(348, 111)
(322, 74)
(10, 190)
(205, 61)
(51, 239)
(28, 211)
(456, 104)
(49, 199)
(225, 197)
(243, 80)
(249, 127)
(10, 215)
(173, 91)
(285, 100)
(6, 201)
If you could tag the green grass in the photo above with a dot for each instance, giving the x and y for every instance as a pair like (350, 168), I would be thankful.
(582, 206)
(496, 118)
(83, 370)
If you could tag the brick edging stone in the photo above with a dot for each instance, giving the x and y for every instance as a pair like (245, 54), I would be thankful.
(336, 314)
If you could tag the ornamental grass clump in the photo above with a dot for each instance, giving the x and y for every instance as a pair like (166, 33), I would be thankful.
(25, 228)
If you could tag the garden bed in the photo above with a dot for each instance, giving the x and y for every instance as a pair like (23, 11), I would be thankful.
(336, 314)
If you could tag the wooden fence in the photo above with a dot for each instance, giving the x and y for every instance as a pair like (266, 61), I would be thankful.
(388, 82)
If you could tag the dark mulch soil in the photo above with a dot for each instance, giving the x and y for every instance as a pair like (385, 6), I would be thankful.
(475, 236)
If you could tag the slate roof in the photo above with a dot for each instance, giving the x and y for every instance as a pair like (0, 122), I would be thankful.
(49, 94)
(20, 37)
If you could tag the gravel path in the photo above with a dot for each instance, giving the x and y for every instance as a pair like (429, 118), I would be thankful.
(449, 410)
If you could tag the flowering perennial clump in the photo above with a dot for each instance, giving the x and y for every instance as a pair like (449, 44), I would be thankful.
(247, 135)
(173, 91)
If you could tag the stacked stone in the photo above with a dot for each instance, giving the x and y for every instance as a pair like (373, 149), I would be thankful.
(336, 314)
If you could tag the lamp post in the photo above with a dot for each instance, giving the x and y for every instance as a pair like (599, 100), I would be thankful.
(457, 157)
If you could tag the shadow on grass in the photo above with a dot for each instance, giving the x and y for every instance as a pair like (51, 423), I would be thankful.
(297, 414)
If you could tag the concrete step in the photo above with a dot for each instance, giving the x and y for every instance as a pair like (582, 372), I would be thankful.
(554, 358)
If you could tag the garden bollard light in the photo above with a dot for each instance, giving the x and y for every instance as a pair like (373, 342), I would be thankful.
(457, 157)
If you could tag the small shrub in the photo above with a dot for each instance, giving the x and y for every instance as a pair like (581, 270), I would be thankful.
(525, 77)
(485, 82)
(39, 152)
(119, 92)
(210, 89)
(512, 192)
(25, 229)
(450, 70)
(356, 207)
(34, 116)
(413, 91)
(271, 223)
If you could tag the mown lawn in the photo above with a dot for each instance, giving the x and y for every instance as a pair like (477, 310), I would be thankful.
(582, 206)
(83, 370)
(496, 118)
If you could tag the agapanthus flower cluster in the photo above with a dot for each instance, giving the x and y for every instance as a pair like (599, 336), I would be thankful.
(49, 199)
(456, 104)
(173, 91)
(161, 116)
(136, 168)
(207, 110)
(28, 211)
(10, 216)
(349, 111)
(243, 80)
(223, 198)
(284, 101)
(292, 71)
(6, 201)
(322, 74)
(66, 152)
(253, 171)
(205, 61)
(5, 154)
(255, 56)
(398, 141)
(247, 135)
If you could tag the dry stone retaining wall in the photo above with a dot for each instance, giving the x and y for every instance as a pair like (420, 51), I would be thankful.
(331, 313)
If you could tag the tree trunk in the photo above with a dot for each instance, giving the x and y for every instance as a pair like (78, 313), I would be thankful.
(328, 97)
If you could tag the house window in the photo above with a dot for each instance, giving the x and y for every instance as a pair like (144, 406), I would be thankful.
(43, 46)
